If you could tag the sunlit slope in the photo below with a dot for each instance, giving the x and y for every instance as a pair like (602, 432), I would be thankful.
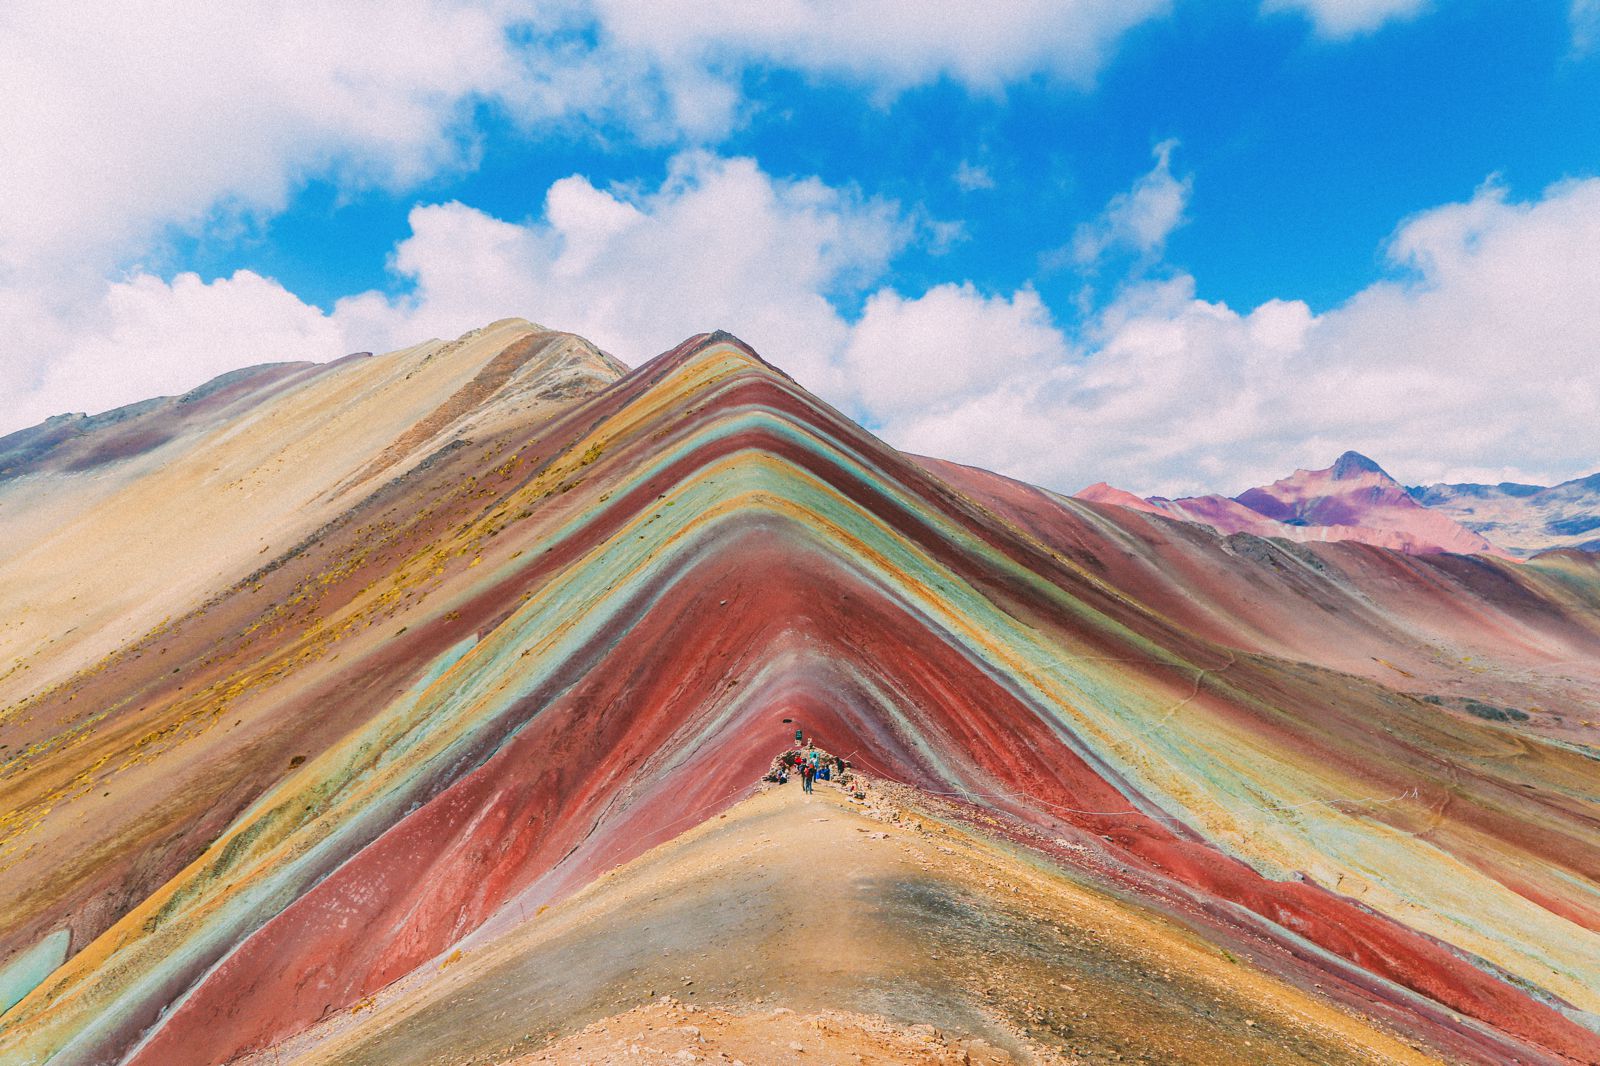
(137, 519)
(566, 639)
(817, 904)
(1458, 627)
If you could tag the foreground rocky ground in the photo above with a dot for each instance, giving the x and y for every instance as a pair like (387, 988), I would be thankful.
(820, 928)
(671, 1032)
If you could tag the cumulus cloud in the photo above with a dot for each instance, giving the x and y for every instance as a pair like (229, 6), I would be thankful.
(1142, 218)
(129, 124)
(887, 45)
(1477, 360)
(1343, 19)
(1584, 18)
(1477, 351)
(970, 177)
(917, 356)
(127, 118)
(151, 337)
(719, 244)
(1478, 347)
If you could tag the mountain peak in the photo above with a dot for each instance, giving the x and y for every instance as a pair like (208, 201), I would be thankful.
(544, 588)
(1353, 464)
(1101, 492)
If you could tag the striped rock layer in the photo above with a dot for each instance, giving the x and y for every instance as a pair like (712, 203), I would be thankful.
(508, 612)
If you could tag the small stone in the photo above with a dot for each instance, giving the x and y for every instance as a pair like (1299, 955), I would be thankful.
(795, 1045)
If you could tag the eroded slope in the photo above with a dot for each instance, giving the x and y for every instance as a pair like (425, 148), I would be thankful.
(557, 642)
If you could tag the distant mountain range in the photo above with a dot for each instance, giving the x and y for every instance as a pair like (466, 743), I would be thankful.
(1356, 500)
(1523, 519)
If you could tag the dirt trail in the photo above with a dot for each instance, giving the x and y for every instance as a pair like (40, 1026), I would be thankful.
(671, 1032)
(866, 928)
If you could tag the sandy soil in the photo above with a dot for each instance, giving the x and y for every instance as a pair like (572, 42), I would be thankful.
(866, 920)
(670, 1032)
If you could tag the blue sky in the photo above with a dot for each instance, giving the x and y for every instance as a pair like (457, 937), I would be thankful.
(1179, 246)
(1307, 152)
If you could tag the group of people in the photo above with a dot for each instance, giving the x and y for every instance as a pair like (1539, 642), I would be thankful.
(809, 763)
(812, 767)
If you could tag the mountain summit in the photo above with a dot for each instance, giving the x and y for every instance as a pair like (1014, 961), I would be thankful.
(433, 707)
(1525, 519)
(1354, 464)
(1355, 500)
(1352, 500)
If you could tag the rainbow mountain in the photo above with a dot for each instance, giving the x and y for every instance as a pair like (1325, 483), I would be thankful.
(415, 708)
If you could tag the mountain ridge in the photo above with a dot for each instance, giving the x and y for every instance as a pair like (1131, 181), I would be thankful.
(485, 682)
(1527, 519)
(1354, 499)
(1510, 518)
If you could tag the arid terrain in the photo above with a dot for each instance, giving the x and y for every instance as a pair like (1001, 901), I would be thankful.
(417, 708)
(840, 925)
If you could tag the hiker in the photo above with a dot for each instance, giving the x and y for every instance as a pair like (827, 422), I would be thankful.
(808, 774)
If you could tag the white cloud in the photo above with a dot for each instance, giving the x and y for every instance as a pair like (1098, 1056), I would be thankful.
(1482, 355)
(915, 356)
(150, 337)
(970, 177)
(1483, 350)
(1584, 18)
(125, 118)
(126, 124)
(1478, 351)
(888, 45)
(1343, 19)
(1142, 218)
(720, 244)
